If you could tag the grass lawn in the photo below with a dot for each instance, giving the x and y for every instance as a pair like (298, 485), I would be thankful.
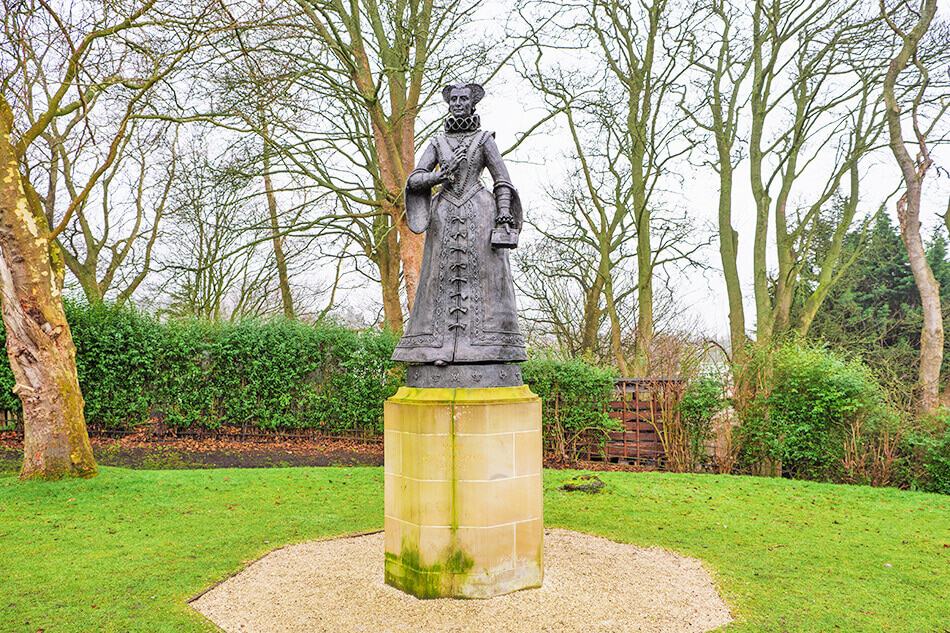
(124, 551)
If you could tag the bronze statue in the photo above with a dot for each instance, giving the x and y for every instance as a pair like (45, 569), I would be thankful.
(463, 330)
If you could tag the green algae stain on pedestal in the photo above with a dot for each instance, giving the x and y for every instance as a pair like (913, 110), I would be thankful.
(408, 573)
(463, 493)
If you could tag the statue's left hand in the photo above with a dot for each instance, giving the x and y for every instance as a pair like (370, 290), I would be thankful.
(504, 217)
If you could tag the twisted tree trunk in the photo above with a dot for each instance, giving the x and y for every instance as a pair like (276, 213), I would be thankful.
(39, 343)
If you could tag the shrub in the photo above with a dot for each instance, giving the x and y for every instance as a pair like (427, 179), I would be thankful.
(701, 401)
(927, 454)
(813, 404)
(936, 464)
(574, 397)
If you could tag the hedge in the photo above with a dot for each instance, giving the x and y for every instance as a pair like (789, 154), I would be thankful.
(272, 374)
(805, 415)
(267, 373)
(574, 395)
(284, 374)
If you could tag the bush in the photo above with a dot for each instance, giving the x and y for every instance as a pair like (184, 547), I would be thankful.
(814, 403)
(701, 401)
(927, 454)
(936, 464)
(574, 397)
(267, 373)
(117, 353)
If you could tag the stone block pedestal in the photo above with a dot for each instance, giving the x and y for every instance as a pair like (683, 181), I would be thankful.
(463, 496)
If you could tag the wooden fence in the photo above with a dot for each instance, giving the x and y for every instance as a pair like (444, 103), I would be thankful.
(641, 405)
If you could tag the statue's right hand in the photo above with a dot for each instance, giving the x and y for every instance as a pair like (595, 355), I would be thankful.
(450, 166)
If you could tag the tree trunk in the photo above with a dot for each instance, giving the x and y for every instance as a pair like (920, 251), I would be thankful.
(90, 285)
(286, 298)
(644, 340)
(729, 254)
(39, 342)
(591, 324)
(616, 342)
(387, 260)
(931, 334)
(831, 267)
(84, 272)
(908, 213)
(759, 109)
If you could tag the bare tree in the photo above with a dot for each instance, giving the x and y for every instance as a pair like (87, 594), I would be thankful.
(812, 83)
(722, 69)
(797, 84)
(219, 261)
(624, 122)
(924, 106)
(109, 245)
(56, 62)
(343, 86)
(574, 278)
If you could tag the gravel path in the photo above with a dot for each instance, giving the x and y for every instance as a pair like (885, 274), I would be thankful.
(590, 584)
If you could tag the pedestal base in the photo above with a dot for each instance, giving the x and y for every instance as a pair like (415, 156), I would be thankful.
(463, 491)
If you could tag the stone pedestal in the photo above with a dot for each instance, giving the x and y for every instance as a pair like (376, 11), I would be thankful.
(463, 491)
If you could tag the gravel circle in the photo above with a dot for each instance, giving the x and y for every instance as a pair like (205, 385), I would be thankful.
(590, 584)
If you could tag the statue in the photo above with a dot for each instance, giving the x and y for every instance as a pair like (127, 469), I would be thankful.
(463, 330)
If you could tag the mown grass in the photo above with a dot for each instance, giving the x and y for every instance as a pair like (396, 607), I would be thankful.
(787, 555)
(125, 551)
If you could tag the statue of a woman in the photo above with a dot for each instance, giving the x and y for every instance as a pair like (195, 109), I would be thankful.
(464, 322)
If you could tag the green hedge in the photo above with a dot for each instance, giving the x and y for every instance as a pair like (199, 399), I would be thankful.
(283, 374)
(574, 395)
(270, 374)
(273, 374)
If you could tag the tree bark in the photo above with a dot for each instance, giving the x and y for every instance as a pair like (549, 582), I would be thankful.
(729, 254)
(590, 328)
(387, 261)
(283, 279)
(644, 340)
(763, 304)
(39, 342)
(908, 213)
(86, 277)
(616, 341)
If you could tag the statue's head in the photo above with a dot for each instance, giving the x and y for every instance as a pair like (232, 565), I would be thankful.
(462, 98)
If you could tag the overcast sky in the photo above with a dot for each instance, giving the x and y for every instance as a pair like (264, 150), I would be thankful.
(510, 107)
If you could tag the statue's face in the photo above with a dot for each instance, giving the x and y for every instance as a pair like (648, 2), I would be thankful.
(460, 102)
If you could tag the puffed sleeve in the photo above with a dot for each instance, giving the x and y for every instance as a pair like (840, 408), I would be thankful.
(423, 177)
(494, 162)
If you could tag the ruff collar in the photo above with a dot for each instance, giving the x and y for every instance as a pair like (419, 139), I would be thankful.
(456, 125)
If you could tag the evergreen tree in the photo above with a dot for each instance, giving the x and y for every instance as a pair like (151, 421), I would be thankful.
(874, 312)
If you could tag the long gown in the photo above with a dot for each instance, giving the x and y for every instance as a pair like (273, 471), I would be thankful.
(464, 310)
